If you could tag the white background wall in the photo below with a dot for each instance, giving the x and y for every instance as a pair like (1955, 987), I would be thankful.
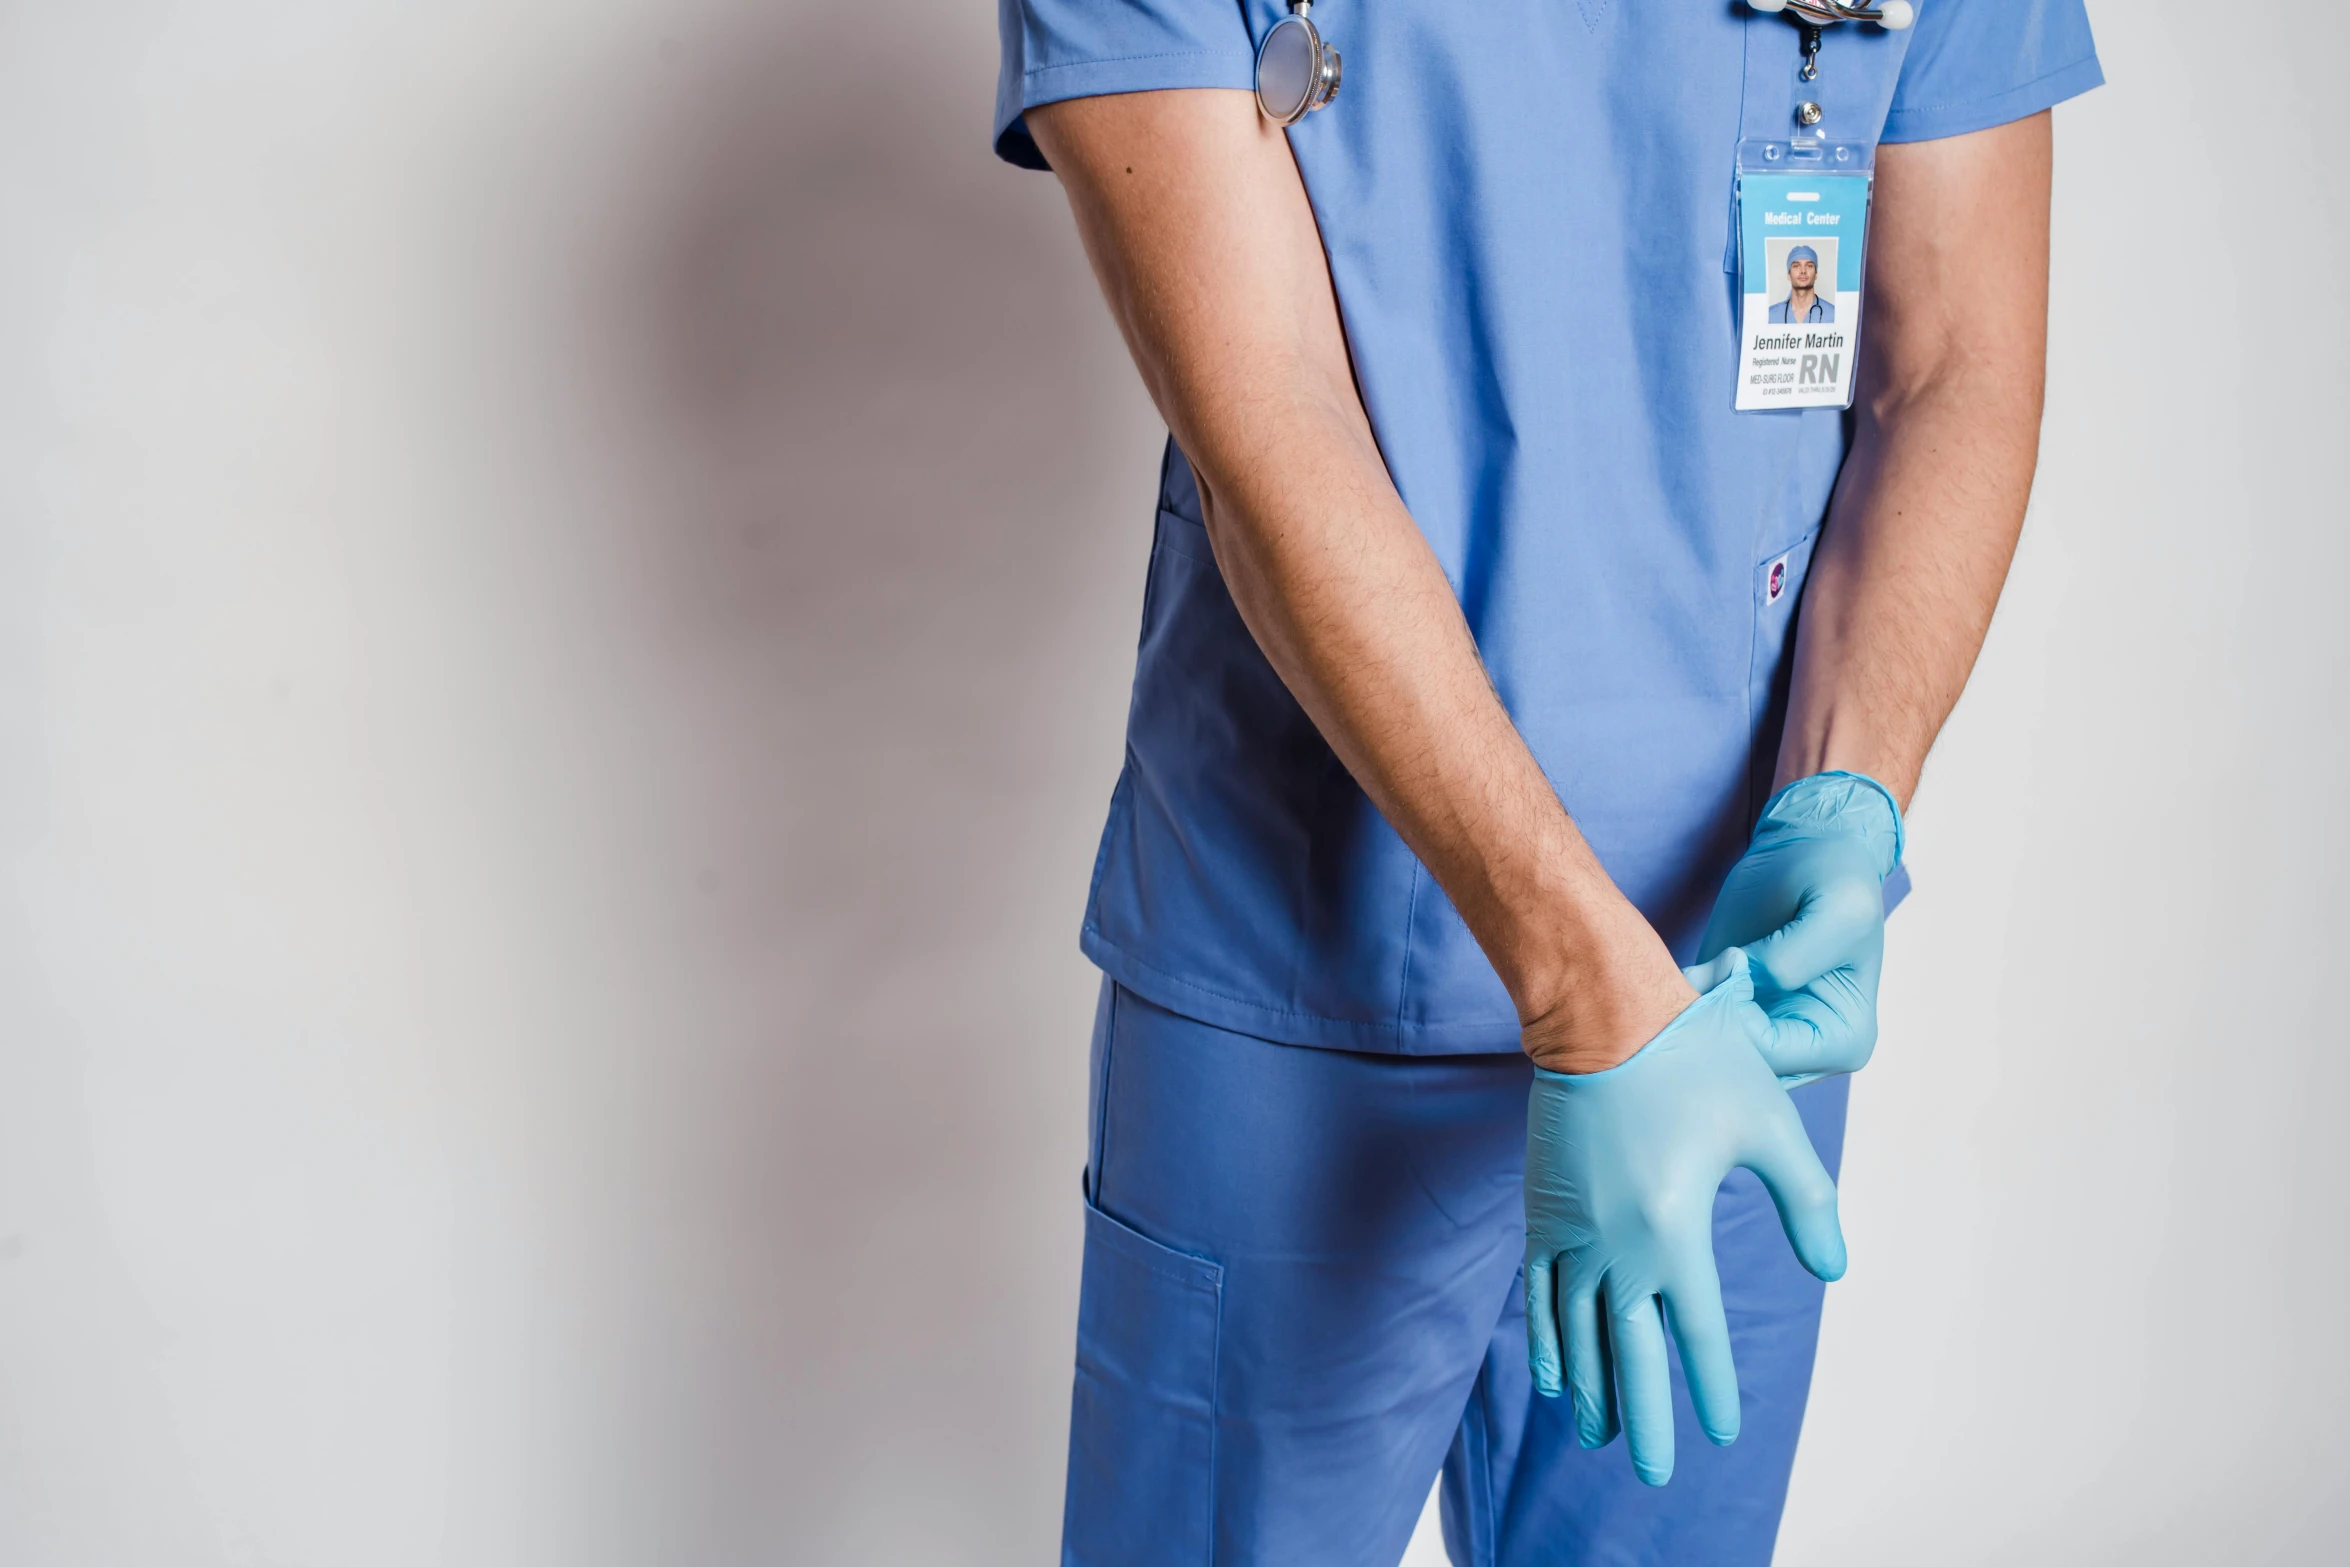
(567, 573)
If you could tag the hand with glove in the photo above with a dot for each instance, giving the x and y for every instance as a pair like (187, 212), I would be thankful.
(1807, 904)
(1621, 1171)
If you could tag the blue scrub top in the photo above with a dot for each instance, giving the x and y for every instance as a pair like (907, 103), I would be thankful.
(1610, 525)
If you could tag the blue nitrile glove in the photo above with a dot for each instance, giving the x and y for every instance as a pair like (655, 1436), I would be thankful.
(1621, 1171)
(1807, 903)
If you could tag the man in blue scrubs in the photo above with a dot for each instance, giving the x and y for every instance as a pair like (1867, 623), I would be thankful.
(1469, 660)
(1803, 303)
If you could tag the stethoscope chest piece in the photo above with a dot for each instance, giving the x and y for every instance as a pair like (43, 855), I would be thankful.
(1297, 72)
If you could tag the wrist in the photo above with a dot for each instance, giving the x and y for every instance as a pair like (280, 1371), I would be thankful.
(1846, 803)
(1591, 980)
(1604, 994)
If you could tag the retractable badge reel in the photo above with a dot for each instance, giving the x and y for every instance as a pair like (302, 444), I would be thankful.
(1803, 219)
(1297, 72)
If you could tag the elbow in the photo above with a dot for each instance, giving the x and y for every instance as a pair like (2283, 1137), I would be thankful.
(1982, 386)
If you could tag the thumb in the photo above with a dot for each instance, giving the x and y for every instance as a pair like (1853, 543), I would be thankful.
(1804, 1195)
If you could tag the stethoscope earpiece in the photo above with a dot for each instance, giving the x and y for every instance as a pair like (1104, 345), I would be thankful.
(1297, 72)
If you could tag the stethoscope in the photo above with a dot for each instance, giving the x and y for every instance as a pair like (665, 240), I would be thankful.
(1812, 15)
(1297, 70)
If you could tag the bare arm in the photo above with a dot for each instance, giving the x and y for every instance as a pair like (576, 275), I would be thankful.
(1931, 499)
(1197, 224)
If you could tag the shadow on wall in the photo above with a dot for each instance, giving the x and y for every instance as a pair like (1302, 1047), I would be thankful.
(886, 494)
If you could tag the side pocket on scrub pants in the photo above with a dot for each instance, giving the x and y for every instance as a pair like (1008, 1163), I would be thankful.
(1142, 1422)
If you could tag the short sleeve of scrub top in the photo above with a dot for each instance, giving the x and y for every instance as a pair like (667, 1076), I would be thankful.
(1056, 49)
(1974, 64)
(1526, 208)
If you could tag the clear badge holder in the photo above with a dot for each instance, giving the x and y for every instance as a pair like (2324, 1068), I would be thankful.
(1803, 221)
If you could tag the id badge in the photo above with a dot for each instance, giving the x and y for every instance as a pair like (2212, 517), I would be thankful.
(1803, 219)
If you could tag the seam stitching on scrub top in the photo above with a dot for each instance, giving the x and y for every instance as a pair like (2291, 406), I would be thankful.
(1092, 928)
(1762, 588)
(1173, 548)
(1101, 1112)
(1745, 72)
(1033, 72)
(1893, 114)
(1209, 990)
(1753, 665)
(1411, 908)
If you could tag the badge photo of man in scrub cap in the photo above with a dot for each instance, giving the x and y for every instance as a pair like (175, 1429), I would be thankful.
(1803, 303)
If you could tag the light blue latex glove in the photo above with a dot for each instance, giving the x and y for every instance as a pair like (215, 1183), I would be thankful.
(1621, 1171)
(1807, 903)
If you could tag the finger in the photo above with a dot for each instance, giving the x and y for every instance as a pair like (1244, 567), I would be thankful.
(1702, 1331)
(1588, 1372)
(1837, 924)
(1644, 1386)
(1542, 1326)
(1795, 1042)
(1705, 975)
(1829, 1026)
(1799, 1185)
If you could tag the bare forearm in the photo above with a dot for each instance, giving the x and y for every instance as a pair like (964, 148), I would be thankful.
(1340, 589)
(1197, 224)
(1901, 594)
(1930, 503)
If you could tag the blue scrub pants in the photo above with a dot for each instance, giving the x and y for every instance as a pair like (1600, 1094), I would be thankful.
(1302, 1298)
